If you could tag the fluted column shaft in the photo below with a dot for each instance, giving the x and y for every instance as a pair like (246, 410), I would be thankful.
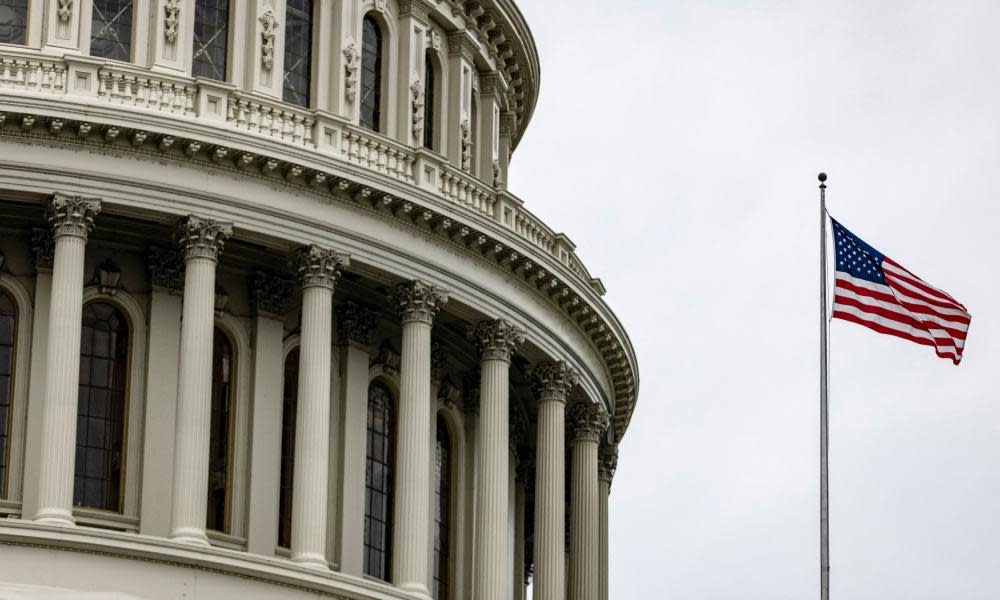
(417, 303)
(589, 421)
(519, 503)
(318, 270)
(608, 461)
(202, 242)
(71, 218)
(497, 341)
(553, 382)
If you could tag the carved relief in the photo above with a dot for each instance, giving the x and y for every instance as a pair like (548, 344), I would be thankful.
(319, 267)
(270, 295)
(388, 359)
(171, 18)
(497, 175)
(588, 421)
(166, 269)
(64, 9)
(466, 146)
(607, 462)
(202, 238)
(352, 60)
(418, 301)
(417, 103)
(268, 32)
(553, 380)
(355, 324)
(43, 247)
(72, 215)
(497, 339)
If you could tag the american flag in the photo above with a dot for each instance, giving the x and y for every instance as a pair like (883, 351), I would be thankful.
(877, 292)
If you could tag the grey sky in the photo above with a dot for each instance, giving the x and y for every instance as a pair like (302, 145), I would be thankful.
(677, 142)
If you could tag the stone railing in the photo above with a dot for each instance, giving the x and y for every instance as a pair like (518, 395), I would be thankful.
(377, 153)
(462, 188)
(32, 74)
(270, 119)
(134, 87)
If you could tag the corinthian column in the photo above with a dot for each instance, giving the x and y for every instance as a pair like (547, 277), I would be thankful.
(608, 461)
(71, 218)
(202, 241)
(318, 270)
(589, 422)
(417, 304)
(497, 341)
(553, 381)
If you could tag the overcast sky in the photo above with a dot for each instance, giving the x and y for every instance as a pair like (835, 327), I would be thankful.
(677, 142)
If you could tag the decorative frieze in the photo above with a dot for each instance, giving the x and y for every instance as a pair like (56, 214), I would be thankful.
(497, 339)
(171, 19)
(270, 295)
(202, 238)
(64, 8)
(356, 324)
(166, 269)
(607, 462)
(43, 246)
(72, 215)
(418, 301)
(319, 267)
(268, 33)
(553, 380)
(588, 421)
(352, 61)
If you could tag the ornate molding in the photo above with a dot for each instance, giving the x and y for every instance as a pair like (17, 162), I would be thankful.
(202, 238)
(171, 19)
(417, 104)
(588, 421)
(497, 339)
(64, 9)
(466, 146)
(352, 61)
(418, 9)
(388, 358)
(491, 84)
(72, 215)
(319, 267)
(607, 462)
(418, 301)
(355, 324)
(166, 269)
(268, 32)
(461, 43)
(270, 295)
(43, 246)
(553, 380)
(449, 394)
(508, 124)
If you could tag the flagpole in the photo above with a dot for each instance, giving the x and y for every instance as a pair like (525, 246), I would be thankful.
(824, 487)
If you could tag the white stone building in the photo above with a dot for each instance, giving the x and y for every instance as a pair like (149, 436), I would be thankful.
(271, 324)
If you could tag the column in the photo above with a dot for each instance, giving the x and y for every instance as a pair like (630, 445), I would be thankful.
(417, 304)
(355, 326)
(71, 219)
(491, 88)
(318, 270)
(497, 341)
(553, 382)
(607, 462)
(202, 241)
(589, 422)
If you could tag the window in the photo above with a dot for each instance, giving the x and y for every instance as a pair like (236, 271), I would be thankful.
(442, 511)
(289, 406)
(298, 51)
(371, 75)
(378, 481)
(8, 337)
(101, 406)
(211, 39)
(13, 21)
(429, 88)
(221, 439)
(111, 29)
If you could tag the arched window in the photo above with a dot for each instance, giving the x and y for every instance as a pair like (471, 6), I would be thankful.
(101, 408)
(298, 51)
(221, 440)
(111, 29)
(289, 406)
(211, 39)
(429, 89)
(371, 75)
(8, 336)
(378, 481)
(442, 512)
(13, 21)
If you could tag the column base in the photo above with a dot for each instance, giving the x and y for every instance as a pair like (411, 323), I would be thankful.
(195, 537)
(416, 589)
(57, 517)
(311, 560)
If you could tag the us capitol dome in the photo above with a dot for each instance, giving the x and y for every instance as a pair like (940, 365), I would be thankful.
(272, 325)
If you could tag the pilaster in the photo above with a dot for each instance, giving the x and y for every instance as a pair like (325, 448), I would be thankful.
(607, 457)
(171, 35)
(461, 68)
(63, 25)
(413, 32)
(491, 88)
(264, 35)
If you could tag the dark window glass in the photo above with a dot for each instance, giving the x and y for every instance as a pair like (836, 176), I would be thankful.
(378, 482)
(442, 511)
(289, 405)
(298, 51)
(13, 21)
(220, 442)
(371, 75)
(211, 39)
(100, 417)
(8, 331)
(111, 30)
(428, 102)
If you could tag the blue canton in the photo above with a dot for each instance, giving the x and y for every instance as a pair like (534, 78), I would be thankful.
(855, 257)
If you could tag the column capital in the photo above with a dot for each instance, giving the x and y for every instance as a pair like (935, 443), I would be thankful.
(553, 380)
(166, 268)
(461, 43)
(202, 238)
(355, 324)
(72, 215)
(319, 267)
(418, 301)
(607, 462)
(418, 9)
(588, 421)
(497, 339)
(270, 294)
(491, 83)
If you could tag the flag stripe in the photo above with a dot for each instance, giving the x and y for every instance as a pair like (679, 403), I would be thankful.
(894, 266)
(898, 314)
(883, 292)
(837, 314)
